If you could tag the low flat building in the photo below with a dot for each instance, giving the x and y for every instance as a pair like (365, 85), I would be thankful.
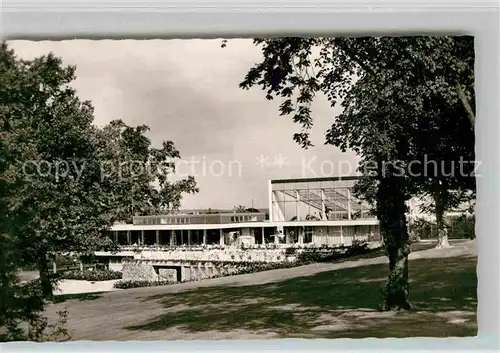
(320, 211)
(312, 212)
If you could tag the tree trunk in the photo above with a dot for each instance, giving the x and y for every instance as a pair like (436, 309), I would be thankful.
(397, 285)
(442, 238)
(442, 231)
(45, 278)
(466, 105)
(392, 215)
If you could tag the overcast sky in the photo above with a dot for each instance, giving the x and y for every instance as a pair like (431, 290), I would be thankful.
(187, 91)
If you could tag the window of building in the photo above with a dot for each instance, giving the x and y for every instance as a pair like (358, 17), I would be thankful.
(308, 234)
(257, 232)
(122, 238)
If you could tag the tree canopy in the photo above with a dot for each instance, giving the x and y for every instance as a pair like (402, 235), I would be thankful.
(404, 100)
(138, 174)
(65, 181)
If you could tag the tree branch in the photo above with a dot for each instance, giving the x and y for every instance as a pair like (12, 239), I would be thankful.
(466, 105)
(354, 57)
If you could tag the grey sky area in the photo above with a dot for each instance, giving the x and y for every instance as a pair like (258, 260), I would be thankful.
(187, 91)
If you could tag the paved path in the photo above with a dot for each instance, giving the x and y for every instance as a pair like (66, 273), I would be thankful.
(105, 317)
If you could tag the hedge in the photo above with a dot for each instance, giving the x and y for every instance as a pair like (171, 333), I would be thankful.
(91, 275)
(137, 284)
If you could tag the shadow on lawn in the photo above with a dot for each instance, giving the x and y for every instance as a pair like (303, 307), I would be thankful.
(298, 306)
(79, 296)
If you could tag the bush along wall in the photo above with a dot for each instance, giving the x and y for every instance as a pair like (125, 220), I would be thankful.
(138, 284)
(91, 275)
(326, 254)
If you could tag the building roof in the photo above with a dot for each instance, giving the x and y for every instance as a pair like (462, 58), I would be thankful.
(344, 223)
(303, 180)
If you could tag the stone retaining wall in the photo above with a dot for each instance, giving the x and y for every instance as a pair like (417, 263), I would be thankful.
(231, 255)
(183, 265)
(137, 270)
(167, 274)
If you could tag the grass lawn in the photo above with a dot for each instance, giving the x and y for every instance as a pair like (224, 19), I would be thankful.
(333, 304)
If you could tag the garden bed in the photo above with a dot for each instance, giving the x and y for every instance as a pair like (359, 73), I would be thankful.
(91, 275)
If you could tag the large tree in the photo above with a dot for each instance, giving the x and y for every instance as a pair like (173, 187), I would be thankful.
(65, 181)
(400, 98)
(54, 197)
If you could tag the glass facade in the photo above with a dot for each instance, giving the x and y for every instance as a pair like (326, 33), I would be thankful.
(317, 199)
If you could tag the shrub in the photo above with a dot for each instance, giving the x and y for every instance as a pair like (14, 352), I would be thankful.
(308, 256)
(463, 227)
(357, 248)
(40, 330)
(137, 284)
(94, 276)
(421, 228)
(414, 238)
(64, 260)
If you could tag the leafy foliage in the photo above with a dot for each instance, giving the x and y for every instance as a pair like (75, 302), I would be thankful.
(56, 195)
(19, 302)
(421, 227)
(464, 227)
(239, 209)
(54, 198)
(252, 210)
(94, 275)
(458, 227)
(404, 100)
(41, 331)
(329, 254)
(137, 173)
(138, 284)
